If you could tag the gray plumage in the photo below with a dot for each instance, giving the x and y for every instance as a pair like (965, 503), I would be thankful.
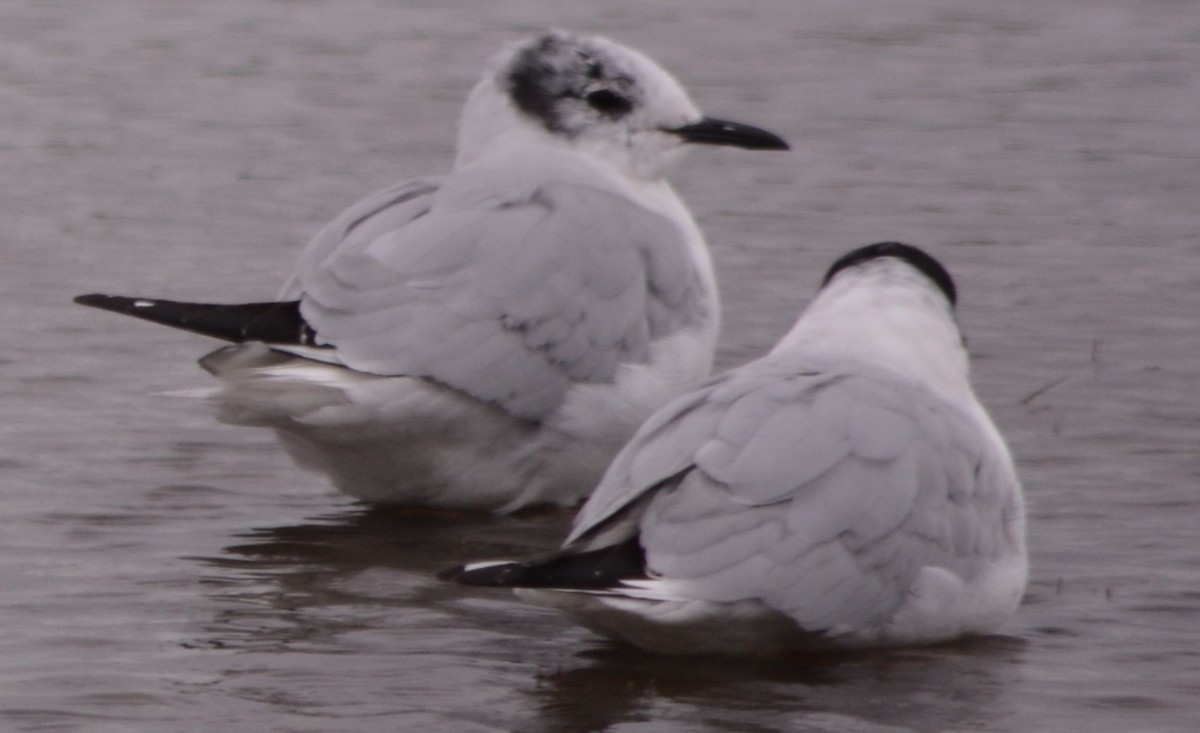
(489, 338)
(846, 490)
(509, 298)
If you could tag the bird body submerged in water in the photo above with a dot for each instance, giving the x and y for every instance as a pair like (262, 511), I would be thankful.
(488, 339)
(847, 490)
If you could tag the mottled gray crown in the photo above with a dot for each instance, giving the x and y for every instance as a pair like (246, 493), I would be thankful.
(566, 83)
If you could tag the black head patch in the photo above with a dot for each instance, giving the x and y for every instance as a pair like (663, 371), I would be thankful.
(919, 259)
(563, 82)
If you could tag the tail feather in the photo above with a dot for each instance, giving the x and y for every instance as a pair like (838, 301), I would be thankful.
(594, 570)
(272, 322)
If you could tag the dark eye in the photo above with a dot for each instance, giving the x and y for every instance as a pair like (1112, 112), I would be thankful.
(608, 102)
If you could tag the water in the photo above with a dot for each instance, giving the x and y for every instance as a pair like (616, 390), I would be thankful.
(159, 571)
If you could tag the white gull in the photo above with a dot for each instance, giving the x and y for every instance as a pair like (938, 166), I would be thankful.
(847, 490)
(488, 339)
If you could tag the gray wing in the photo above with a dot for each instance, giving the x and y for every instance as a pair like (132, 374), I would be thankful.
(383, 211)
(510, 298)
(658, 455)
(823, 493)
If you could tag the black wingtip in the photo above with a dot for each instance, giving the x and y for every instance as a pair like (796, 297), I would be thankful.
(591, 570)
(92, 299)
(145, 308)
(115, 303)
(270, 322)
(487, 575)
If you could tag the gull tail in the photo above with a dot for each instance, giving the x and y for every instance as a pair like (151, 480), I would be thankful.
(593, 570)
(272, 323)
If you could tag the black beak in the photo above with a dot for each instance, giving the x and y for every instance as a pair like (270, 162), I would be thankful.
(711, 131)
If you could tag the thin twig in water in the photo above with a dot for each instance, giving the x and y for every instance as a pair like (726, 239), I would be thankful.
(1042, 390)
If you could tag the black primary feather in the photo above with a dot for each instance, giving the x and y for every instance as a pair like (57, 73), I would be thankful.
(272, 323)
(594, 570)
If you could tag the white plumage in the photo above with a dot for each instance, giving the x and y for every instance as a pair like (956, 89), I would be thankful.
(489, 338)
(846, 490)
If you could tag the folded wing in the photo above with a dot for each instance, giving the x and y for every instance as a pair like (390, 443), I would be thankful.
(821, 493)
(510, 299)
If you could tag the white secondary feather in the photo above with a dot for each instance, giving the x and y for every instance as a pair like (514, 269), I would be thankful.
(498, 332)
(848, 486)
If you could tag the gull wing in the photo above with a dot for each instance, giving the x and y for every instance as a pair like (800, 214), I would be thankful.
(509, 298)
(821, 492)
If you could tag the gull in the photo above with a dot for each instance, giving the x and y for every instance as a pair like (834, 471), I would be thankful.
(845, 491)
(488, 339)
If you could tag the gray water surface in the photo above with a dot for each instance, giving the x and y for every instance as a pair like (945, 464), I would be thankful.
(162, 572)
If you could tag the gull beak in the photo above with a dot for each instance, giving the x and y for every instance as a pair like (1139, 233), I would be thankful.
(712, 131)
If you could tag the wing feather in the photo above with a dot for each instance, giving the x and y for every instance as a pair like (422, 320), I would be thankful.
(821, 492)
(510, 299)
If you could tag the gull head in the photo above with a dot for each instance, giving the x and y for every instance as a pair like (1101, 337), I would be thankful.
(597, 97)
(895, 260)
(889, 304)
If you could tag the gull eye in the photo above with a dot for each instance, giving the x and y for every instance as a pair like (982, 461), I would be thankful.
(608, 102)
